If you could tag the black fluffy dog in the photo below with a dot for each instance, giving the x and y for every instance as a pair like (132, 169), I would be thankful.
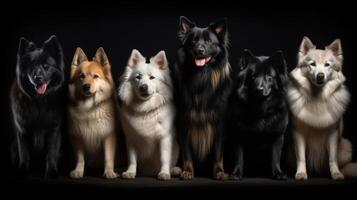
(202, 78)
(37, 103)
(258, 112)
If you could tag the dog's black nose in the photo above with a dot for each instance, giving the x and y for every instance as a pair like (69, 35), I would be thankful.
(260, 88)
(320, 77)
(143, 88)
(38, 78)
(200, 50)
(86, 88)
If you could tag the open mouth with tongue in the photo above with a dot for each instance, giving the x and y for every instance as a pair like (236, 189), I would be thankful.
(202, 61)
(41, 88)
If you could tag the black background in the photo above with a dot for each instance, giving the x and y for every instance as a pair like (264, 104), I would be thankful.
(152, 26)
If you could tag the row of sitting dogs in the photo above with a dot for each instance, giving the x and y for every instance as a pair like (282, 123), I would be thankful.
(197, 111)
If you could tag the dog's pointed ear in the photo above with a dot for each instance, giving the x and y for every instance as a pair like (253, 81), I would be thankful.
(25, 46)
(102, 58)
(160, 59)
(335, 47)
(78, 58)
(305, 46)
(185, 24)
(219, 27)
(53, 47)
(135, 58)
(279, 62)
(246, 58)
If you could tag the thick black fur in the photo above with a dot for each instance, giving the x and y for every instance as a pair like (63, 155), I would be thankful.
(258, 112)
(195, 92)
(38, 117)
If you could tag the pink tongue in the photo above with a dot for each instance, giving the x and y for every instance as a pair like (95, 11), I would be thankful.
(41, 89)
(202, 62)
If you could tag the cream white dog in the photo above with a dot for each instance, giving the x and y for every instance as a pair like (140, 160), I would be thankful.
(147, 115)
(318, 99)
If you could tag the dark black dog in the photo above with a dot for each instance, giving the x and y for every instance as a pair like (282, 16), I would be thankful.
(202, 78)
(37, 103)
(258, 112)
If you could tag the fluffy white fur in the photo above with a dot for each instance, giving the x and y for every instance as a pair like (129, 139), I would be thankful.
(92, 119)
(317, 112)
(148, 121)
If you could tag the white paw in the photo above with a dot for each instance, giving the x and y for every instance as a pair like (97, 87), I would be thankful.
(128, 175)
(110, 174)
(76, 174)
(337, 176)
(164, 176)
(301, 176)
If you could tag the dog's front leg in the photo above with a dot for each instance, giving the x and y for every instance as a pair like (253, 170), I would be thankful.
(276, 156)
(20, 154)
(130, 173)
(188, 171)
(109, 151)
(54, 147)
(165, 156)
(79, 151)
(218, 168)
(300, 150)
(237, 173)
(332, 148)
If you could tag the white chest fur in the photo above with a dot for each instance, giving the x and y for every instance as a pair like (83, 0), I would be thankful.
(93, 124)
(318, 109)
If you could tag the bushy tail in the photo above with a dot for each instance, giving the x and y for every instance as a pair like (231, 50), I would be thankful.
(348, 168)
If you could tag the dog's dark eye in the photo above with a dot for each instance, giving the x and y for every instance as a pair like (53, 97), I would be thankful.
(81, 76)
(152, 77)
(96, 76)
(327, 64)
(138, 76)
(313, 64)
(46, 66)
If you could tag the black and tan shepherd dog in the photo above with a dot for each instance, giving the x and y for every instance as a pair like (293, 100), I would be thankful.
(37, 104)
(258, 114)
(202, 79)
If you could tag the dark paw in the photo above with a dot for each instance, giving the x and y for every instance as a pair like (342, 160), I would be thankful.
(235, 177)
(220, 176)
(186, 175)
(51, 173)
(280, 176)
(23, 171)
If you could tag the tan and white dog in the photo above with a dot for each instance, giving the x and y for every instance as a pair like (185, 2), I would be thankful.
(318, 99)
(147, 115)
(92, 112)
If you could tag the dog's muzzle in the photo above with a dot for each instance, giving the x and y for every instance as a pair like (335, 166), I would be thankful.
(144, 91)
(320, 78)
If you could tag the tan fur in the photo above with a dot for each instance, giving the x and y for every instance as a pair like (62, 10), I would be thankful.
(218, 74)
(92, 117)
(215, 78)
(201, 139)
